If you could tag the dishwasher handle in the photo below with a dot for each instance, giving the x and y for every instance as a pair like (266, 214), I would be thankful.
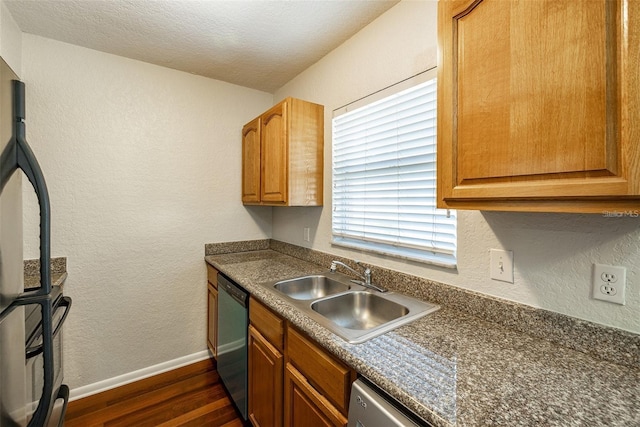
(234, 291)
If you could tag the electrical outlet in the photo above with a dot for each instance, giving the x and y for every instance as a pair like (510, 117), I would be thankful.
(501, 265)
(608, 283)
(307, 234)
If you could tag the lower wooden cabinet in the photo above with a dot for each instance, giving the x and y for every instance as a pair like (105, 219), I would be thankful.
(305, 406)
(212, 318)
(314, 388)
(212, 310)
(266, 365)
(329, 376)
(265, 381)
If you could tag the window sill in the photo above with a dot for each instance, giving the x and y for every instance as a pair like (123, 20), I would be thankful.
(424, 257)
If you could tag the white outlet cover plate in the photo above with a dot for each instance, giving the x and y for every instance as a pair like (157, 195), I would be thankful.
(608, 283)
(501, 265)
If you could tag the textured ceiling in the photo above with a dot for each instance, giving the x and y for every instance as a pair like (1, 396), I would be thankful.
(257, 44)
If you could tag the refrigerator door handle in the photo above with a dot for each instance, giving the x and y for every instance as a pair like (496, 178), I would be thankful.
(27, 161)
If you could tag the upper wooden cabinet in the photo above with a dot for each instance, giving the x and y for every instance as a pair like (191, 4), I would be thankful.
(282, 155)
(538, 105)
(251, 162)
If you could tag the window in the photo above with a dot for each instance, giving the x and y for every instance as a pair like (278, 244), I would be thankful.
(384, 177)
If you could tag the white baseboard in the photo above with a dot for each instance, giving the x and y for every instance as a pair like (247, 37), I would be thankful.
(232, 346)
(108, 384)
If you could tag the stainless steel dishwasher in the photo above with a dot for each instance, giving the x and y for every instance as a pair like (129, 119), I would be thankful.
(233, 321)
(369, 408)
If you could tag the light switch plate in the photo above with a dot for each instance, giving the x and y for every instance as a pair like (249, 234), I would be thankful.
(501, 265)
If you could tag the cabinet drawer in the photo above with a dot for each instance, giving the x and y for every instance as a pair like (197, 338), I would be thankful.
(304, 406)
(269, 324)
(212, 276)
(328, 375)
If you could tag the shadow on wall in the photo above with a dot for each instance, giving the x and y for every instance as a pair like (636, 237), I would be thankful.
(262, 216)
(562, 247)
(539, 227)
(289, 224)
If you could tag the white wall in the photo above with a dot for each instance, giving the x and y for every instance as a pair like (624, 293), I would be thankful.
(143, 168)
(10, 40)
(553, 253)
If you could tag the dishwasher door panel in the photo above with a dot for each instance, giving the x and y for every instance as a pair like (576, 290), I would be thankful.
(233, 321)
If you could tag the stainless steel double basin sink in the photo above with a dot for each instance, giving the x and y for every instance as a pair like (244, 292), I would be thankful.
(349, 310)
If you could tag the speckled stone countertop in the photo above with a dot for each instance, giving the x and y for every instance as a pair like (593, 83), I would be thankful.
(32, 272)
(455, 369)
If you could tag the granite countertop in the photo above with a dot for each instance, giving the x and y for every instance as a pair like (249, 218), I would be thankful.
(32, 272)
(32, 281)
(454, 369)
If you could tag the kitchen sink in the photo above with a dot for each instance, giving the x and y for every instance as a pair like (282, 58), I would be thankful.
(359, 310)
(311, 287)
(348, 309)
(358, 316)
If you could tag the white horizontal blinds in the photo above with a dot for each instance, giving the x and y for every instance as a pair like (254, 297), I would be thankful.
(384, 178)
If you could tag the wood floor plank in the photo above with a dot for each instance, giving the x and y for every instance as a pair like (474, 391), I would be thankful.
(196, 413)
(150, 398)
(102, 400)
(168, 409)
(189, 396)
(217, 418)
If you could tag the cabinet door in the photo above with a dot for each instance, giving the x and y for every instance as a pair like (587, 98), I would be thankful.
(304, 406)
(274, 155)
(534, 103)
(212, 318)
(251, 162)
(266, 366)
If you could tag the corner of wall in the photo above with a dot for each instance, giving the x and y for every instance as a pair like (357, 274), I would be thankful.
(10, 40)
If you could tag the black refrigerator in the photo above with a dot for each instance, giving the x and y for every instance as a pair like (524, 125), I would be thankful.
(31, 370)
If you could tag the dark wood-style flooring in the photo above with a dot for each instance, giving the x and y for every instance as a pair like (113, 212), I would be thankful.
(189, 396)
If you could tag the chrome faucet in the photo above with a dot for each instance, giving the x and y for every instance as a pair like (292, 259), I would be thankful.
(366, 276)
